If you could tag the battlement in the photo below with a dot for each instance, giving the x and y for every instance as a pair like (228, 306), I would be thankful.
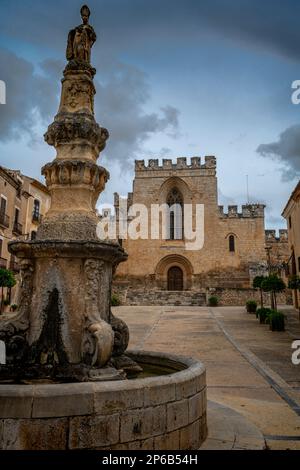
(249, 211)
(272, 238)
(181, 164)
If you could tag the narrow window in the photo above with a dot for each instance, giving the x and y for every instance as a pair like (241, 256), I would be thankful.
(175, 203)
(231, 244)
(36, 209)
(33, 235)
(290, 222)
(3, 206)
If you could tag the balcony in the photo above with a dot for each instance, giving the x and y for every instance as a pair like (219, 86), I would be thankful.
(36, 217)
(3, 263)
(4, 220)
(17, 228)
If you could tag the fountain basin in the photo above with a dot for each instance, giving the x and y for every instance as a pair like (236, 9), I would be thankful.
(162, 412)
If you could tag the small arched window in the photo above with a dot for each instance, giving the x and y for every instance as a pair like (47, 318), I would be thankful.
(175, 203)
(231, 243)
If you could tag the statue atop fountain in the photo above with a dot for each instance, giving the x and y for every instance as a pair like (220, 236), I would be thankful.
(64, 328)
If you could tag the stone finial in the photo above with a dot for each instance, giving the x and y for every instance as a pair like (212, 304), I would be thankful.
(140, 165)
(232, 211)
(283, 235)
(167, 164)
(270, 235)
(153, 163)
(81, 39)
(196, 162)
(210, 162)
(181, 162)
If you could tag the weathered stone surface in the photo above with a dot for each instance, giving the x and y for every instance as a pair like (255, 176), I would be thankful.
(190, 436)
(29, 434)
(177, 415)
(90, 432)
(195, 406)
(63, 400)
(140, 424)
(16, 402)
(169, 441)
(115, 397)
(158, 394)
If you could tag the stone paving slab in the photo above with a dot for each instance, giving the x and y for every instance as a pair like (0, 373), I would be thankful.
(234, 379)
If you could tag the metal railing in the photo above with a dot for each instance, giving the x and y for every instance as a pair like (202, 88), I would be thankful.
(3, 263)
(36, 217)
(4, 220)
(17, 228)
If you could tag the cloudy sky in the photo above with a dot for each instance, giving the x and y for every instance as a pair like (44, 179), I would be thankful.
(174, 78)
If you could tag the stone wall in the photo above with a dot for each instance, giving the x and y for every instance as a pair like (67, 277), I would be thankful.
(239, 297)
(141, 295)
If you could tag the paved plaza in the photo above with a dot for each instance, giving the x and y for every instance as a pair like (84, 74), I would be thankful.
(250, 375)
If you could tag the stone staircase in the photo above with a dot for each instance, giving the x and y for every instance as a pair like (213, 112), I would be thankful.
(163, 297)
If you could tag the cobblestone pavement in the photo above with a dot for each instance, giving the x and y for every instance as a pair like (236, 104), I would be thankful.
(249, 368)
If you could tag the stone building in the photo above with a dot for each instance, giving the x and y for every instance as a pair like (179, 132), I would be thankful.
(23, 201)
(234, 242)
(291, 213)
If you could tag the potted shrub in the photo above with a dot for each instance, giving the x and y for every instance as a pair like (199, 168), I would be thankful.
(263, 315)
(251, 306)
(115, 301)
(14, 307)
(7, 279)
(213, 301)
(257, 284)
(277, 322)
(273, 284)
(294, 283)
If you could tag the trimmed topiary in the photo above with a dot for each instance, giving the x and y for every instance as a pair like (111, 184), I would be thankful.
(213, 301)
(263, 314)
(251, 306)
(277, 321)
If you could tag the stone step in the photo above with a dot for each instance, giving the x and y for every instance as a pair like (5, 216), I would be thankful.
(185, 298)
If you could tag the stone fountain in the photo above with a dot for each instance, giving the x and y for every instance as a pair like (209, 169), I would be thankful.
(65, 384)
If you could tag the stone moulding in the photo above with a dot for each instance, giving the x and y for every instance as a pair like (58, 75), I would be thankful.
(166, 412)
(79, 128)
(74, 172)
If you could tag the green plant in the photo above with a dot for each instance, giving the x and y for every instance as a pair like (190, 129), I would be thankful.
(6, 302)
(7, 279)
(263, 315)
(14, 307)
(251, 306)
(115, 301)
(257, 284)
(213, 301)
(277, 322)
(294, 283)
(273, 284)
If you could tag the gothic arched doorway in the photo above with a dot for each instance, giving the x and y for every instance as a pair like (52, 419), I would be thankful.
(175, 278)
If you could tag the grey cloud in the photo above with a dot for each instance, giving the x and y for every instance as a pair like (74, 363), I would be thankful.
(31, 97)
(286, 151)
(121, 95)
(120, 107)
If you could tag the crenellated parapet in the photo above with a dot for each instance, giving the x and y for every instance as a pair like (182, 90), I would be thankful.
(249, 211)
(181, 164)
(271, 236)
